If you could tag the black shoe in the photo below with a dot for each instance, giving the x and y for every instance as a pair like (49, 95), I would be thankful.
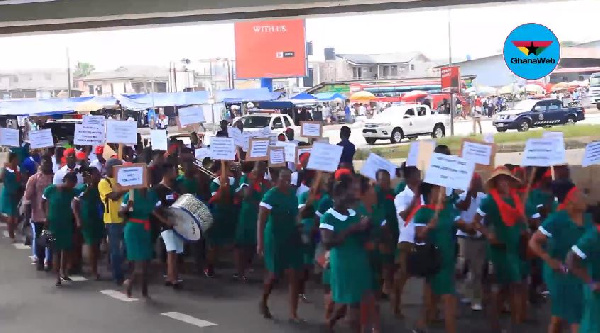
(39, 268)
(168, 284)
(65, 278)
(177, 286)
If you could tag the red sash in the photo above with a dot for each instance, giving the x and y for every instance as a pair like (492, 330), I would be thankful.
(509, 214)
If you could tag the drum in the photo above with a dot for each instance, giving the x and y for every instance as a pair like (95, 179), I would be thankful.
(192, 217)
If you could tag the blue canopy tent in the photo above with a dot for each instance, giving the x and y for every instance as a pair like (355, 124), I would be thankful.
(278, 104)
(245, 95)
(304, 96)
(155, 100)
(45, 107)
(329, 96)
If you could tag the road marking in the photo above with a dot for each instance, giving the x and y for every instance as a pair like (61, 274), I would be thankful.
(5, 233)
(77, 278)
(188, 319)
(118, 295)
(20, 246)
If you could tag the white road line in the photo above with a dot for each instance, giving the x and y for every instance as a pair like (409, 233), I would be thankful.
(118, 295)
(5, 233)
(188, 319)
(20, 246)
(77, 278)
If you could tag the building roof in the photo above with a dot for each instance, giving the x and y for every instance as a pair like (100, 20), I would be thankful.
(386, 58)
(130, 73)
(33, 79)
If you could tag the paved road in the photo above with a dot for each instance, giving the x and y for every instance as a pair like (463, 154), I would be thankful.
(30, 302)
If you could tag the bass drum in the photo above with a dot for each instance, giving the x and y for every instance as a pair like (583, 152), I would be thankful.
(191, 216)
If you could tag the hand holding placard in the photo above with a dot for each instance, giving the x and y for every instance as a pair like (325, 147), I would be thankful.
(222, 149)
(258, 149)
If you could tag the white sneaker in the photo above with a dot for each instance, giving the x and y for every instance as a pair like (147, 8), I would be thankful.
(476, 306)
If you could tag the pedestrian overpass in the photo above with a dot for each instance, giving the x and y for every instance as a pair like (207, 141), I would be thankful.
(29, 16)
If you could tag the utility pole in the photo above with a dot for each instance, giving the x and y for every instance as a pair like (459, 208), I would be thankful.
(452, 102)
(68, 73)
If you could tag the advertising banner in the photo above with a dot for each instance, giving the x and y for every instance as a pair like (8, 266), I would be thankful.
(451, 78)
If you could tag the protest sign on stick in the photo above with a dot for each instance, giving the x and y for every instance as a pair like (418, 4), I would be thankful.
(258, 149)
(276, 157)
(450, 171)
(544, 152)
(311, 129)
(41, 139)
(324, 157)
(129, 177)
(375, 163)
(222, 149)
(483, 154)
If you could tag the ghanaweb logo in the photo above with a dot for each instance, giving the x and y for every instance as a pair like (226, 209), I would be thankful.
(531, 51)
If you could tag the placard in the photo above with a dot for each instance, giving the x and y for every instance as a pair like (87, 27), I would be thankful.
(450, 171)
(301, 150)
(236, 135)
(265, 132)
(591, 155)
(290, 150)
(311, 129)
(121, 132)
(131, 176)
(41, 139)
(90, 120)
(190, 115)
(246, 136)
(276, 157)
(375, 163)
(556, 135)
(544, 152)
(202, 153)
(482, 154)
(419, 154)
(9, 137)
(258, 150)
(488, 137)
(273, 139)
(158, 140)
(222, 149)
(324, 157)
(413, 153)
(89, 135)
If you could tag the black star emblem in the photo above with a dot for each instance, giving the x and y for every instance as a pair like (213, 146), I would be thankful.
(531, 49)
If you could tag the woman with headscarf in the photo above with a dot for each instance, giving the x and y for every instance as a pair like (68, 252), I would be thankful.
(11, 193)
(552, 242)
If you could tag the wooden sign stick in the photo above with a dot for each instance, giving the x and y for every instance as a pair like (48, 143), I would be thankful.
(120, 156)
(528, 187)
(552, 173)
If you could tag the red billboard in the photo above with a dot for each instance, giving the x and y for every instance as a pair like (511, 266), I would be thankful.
(451, 78)
(270, 49)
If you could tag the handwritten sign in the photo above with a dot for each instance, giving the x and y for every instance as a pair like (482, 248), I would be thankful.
(9, 137)
(544, 152)
(375, 163)
(324, 157)
(591, 155)
(121, 132)
(158, 139)
(276, 157)
(89, 135)
(419, 154)
(478, 152)
(90, 120)
(258, 150)
(222, 149)
(41, 139)
(131, 176)
(273, 139)
(290, 150)
(301, 150)
(311, 129)
(450, 171)
(191, 115)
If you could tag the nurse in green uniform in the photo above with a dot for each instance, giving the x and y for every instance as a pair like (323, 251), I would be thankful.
(279, 241)
(250, 191)
(344, 232)
(436, 223)
(87, 209)
(504, 213)
(187, 183)
(391, 232)
(138, 240)
(584, 262)
(57, 205)
(559, 232)
(11, 193)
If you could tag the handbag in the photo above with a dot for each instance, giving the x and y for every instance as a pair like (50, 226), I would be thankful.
(46, 239)
(424, 260)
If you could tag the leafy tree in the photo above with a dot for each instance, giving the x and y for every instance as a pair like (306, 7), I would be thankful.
(83, 69)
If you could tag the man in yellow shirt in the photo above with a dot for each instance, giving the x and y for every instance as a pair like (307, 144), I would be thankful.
(114, 224)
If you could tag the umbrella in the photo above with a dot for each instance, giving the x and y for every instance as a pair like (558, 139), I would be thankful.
(534, 89)
(362, 96)
(95, 104)
(560, 86)
(414, 95)
(508, 89)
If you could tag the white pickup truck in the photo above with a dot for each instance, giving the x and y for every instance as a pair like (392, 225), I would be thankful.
(405, 121)
(276, 121)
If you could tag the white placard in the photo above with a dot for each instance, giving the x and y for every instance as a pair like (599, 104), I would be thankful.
(276, 156)
(290, 150)
(191, 115)
(90, 120)
(259, 149)
(132, 176)
(236, 135)
(265, 132)
(488, 137)
(89, 135)
(544, 152)
(591, 155)
(121, 132)
(450, 171)
(413, 154)
(273, 139)
(324, 157)
(311, 129)
(202, 153)
(41, 139)
(9, 137)
(158, 140)
(476, 152)
(556, 135)
(374, 163)
(246, 136)
(222, 149)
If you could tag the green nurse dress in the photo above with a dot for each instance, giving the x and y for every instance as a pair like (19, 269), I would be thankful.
(137, 234)
(187, 185)
(222, 232)
(588, 249)
(505, 260)
(377, 217)
(385, 199)
(443, 236)
(400, 187)
(538, 197)
(10, 193)
(60, 215)
(90, 209)
(324, 204)
(566, 290)
(245, 232)
(351, 277)
(282, 240)
(309, 242)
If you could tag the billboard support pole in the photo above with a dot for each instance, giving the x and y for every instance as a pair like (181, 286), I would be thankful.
(452, 106)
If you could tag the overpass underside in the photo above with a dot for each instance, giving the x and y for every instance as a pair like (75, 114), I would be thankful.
(31, 16)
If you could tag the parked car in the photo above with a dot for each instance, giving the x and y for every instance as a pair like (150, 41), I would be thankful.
(405, 121)
(537, 113)
(276, 121)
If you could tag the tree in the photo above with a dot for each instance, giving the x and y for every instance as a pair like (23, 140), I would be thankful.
(83, 69)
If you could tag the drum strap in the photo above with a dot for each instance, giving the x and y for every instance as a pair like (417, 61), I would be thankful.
(146, 223)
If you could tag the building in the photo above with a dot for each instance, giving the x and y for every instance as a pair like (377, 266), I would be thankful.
(125, 80)
(41, 83)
